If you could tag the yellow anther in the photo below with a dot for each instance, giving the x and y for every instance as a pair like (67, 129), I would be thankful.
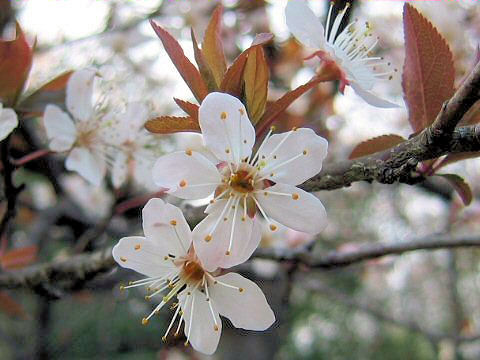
(147, 297)
(223, 115)
(215, 327)
(173, 222)
(130, 283)
(265, 193)
(212, 201)
(183, 183)
(165, 258)
(273, 128)
(165, 299)
(294, 128)
(295, 196)
(144, 321)
(225, 219)
(271, 174)
(164, 338)
(188, 152)
(240, 289)
(185, 343)
(227, 151)
(273, 227)
(122, 287)
(123, 258)
(243, 218)
(208, 238)
(241, 111)
(305, 152)
(137, 247)
(227, 252)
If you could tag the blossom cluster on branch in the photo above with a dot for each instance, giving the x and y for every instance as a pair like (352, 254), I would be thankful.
(251, 177)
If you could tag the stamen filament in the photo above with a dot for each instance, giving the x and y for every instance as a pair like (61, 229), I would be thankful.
(232, 232)
(171, 322)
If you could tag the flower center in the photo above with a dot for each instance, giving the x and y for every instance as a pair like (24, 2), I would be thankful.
(242, 181)
(192, 272)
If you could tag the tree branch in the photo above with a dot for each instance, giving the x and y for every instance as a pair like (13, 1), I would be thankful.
(86, 266)
(365, 252)
(399, 163)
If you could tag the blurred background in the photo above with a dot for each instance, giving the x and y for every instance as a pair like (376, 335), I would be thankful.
(421, 305)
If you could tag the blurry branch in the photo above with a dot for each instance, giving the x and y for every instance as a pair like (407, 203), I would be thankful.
(399, 163)
(60, 273)
(86, 266)
(366, 307)
(365, 252)
(10, 191)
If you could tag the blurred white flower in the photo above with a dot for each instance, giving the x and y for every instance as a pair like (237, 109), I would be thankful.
(95, 201)
(348, 51)
(8, 121)
(84, 136)
(135, 150)
(166, 257)
(243, 182)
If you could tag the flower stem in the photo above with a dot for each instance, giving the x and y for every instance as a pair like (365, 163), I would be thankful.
(30, 157)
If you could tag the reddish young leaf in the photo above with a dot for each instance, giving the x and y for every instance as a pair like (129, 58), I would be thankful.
(460, 186)
(18, 258)
(187, 70)
(11, 307)
(277, 107)
(172, 124)
(53, 92)
(255, 77)
(375, 144)
(15, 63)
(204, 68)
(232, 82)
(428, 72)
(188, 107)
(212, 47)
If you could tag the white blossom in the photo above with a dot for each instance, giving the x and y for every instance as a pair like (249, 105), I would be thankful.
(349, 50)
(243, 181)
(167, 259)
(81, 132)
(8, 121)
(135, 150)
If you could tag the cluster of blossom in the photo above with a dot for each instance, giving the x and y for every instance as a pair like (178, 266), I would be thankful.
(245, 187)
(97, 138)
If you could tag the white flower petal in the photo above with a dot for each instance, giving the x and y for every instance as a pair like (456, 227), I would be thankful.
(226, 129)
(304, 25)
(372, 99)
(61, 131)
(186, 176)
(79, 94)
(165, 225)
(142, 255)
(87, 164)
(203, 336)
(308, 148)
(212, 253)
(8, 122)
(120, 169)
(305, 214)
(247, 309)
(132, 121)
